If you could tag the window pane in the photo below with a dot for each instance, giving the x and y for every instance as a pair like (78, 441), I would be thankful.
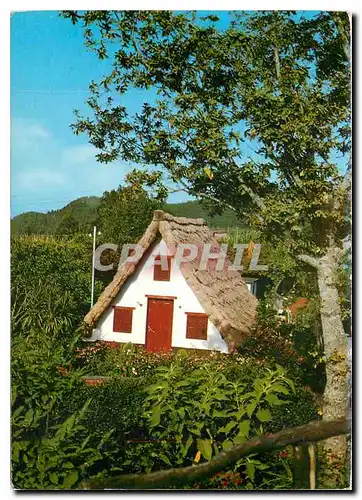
(160, 274)
(122, 319)
(196, 326)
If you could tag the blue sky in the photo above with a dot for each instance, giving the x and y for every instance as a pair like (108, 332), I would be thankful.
(50, 74)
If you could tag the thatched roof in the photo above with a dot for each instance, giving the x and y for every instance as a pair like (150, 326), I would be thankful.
(223, 295)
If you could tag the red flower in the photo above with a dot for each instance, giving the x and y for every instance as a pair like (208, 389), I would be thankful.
(283, 454)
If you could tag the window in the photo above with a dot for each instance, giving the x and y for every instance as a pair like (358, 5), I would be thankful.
(122, 319)
(160, 274)
(196, 327)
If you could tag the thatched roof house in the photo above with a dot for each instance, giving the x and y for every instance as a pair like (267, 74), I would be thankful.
(222, 297)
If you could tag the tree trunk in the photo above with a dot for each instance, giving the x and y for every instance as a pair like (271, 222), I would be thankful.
(336, 393)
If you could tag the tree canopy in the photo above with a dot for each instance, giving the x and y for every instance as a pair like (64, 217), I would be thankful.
(250, 117)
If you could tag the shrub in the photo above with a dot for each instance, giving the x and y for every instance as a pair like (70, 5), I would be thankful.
(292, 345)
(115, 404)
(46, 267)
(200, 413)
(49, 450)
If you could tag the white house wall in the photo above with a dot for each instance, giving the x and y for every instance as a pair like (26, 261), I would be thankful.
(133, 294)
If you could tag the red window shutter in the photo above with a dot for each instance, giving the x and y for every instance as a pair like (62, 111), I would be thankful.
(122, 319)
(160, 274)
(196, 327)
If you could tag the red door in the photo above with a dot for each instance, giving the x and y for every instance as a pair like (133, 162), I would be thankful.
(159, 325)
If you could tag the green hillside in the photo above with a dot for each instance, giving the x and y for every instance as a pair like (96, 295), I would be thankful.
(84, 212)
(193, 209)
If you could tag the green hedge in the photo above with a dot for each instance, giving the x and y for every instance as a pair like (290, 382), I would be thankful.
(116, 404)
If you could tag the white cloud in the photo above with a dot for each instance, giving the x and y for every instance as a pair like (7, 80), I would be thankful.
(47, 170)
(79, 154)
(38, 131)
(36, 179)
(25, 132)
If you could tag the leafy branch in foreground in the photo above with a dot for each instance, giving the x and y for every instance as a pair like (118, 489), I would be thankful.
(312, 432)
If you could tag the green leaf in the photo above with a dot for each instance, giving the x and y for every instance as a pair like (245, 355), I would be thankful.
(155, 416)
(274, 400)
(290, 383)
(28, 417)
(278, 387)
(197, 432)
(181, 412)
(239, 439)
(250, 469)
(17, 411)
(263, 415)
(70, 480)
(54, 478)
(244, 427)
(185, 448)
(218, 413)
(164, 458)
(226, 445)
(205, 447)
(227, 428)
(250, 408)
(261, 466)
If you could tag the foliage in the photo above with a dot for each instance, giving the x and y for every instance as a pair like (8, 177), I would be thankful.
(275, 475)
(161, 446)
(82, 212)
(173, 410)
(195, 210)
(47, 452)
(125, 360)
(44, 307)
(65, 431)
(273, 83)
(200, 414)
(115, 404)
(293, 345)
(68, 225)
(55, 460)
(53, 274)
(124, 214)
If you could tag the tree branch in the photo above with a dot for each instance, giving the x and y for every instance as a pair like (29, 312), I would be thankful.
(277, 62)
(255, 198)
(308, 259)
(314, 431)
(188, 190)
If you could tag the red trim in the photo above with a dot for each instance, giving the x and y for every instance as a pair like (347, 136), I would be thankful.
(196, 314)
(163, 297)
(123, 307)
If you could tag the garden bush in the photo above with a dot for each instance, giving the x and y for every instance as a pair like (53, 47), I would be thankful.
(116, 404)
(292, 345)
(44, 267)
(51, 450)
(155, 412)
